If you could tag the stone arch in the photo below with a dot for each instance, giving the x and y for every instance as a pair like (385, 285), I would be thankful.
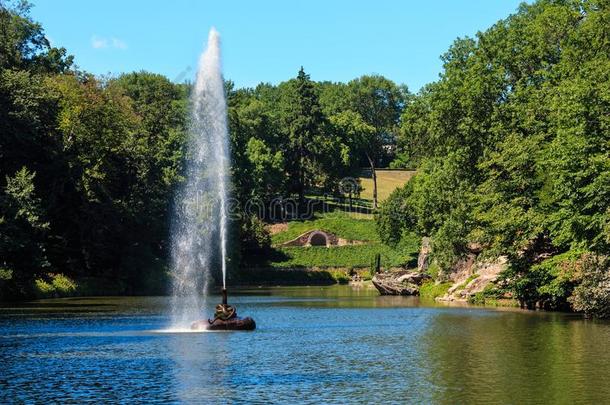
(318, 239)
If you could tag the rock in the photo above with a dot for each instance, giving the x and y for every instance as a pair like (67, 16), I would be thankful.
(466, 286)
(399, 282)
(423, 260)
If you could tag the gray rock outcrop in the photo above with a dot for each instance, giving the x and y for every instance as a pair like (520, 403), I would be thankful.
(399, 282)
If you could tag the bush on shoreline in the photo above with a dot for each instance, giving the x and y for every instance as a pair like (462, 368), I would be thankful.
(592, 295)
(54, 286)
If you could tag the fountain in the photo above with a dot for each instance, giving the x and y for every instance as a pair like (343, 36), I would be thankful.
(199, 234)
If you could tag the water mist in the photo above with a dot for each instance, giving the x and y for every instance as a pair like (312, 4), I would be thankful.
(199, 234)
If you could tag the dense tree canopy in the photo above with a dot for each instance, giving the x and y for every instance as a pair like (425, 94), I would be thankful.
(512, 143)
(89, 166)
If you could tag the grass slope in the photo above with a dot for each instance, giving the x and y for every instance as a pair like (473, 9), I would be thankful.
(387, 181)
(347, 227)
(339, 223)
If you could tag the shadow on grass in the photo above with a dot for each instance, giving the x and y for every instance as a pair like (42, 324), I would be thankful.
(293, 276)
(259, 271)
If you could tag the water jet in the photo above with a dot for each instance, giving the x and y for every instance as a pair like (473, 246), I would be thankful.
(199, 234)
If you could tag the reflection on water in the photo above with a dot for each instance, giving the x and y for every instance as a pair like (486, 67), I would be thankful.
(330, 344)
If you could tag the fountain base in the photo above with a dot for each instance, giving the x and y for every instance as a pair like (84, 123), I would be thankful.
(225, 318)
(231, 324)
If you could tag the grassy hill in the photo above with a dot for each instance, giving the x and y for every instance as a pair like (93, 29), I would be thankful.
(334, 262)
(354, 256)
(387, 181)
(342, 225)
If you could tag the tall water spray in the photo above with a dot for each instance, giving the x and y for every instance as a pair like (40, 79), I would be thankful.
(199, 235)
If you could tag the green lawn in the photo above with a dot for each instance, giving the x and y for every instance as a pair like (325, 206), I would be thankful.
(387, 181)
(346, 227)
(342, 256)
(341, 224)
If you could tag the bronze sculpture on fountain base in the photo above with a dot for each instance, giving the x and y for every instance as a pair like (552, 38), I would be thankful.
(225, 318)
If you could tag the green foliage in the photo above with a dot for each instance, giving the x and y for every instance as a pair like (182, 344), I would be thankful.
(106, 154)
(512, 147)
(466, 282)
(491, 296)
(23, 44)
(434, 270)
(307, 150)
(547, 284)
(394, 216)
(356, 136)
(340, 276)
(592, 295)
(267, 167)
(556, 277)
(6, 274)
(431, 290)
(54, 285)
(254, 235)
(22, 231)
(359, 256)
(477, 299)
(43, 289)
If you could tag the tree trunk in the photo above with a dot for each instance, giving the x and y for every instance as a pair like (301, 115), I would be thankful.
(374, 174)
(301, 176)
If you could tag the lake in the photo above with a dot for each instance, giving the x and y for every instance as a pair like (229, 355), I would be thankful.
(312, 345)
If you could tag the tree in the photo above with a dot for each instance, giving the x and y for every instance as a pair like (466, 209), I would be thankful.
(23, 229)
(379, 102)
(23, 44)
(267, 168)
(304, 120)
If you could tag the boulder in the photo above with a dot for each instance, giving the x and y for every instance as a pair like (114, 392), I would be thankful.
(485, 272)
(423, 259)
(399, 282)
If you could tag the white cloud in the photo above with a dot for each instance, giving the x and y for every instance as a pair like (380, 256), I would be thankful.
(101, 43)
(118, 43)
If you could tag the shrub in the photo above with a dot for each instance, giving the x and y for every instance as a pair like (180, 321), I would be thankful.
(547, 284)
(489, 296)
(5, 274)
(254, 235)
(59, 286)
(63, 285)
(431, 290)
(592, 295)
(557, 277)
(433, 270)
(43, 289)
(340, 276)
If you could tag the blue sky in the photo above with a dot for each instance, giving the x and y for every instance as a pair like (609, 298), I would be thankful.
(267, 41)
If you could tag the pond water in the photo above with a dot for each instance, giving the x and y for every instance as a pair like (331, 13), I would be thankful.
(312, 345)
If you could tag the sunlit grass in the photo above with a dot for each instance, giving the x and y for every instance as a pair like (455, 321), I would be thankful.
(387, 181)
(344, 226)
(341, 224)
